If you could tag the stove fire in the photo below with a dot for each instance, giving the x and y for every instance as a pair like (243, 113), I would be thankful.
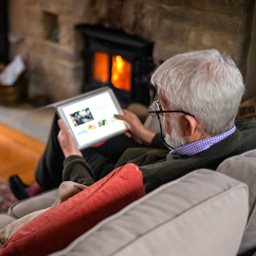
(120, 76)
(118, 60)
(121, 73)
(100, 67)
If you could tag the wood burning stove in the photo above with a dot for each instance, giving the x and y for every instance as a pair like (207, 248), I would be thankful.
(118, 60)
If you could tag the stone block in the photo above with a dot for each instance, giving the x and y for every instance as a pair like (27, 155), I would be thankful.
(34, 31)
(173, 2)
(73, 8)
(164, 51)
(33, 26)
(182, 15)
(58, 6)
(109, 12)
(241, 46)
(67, 33)
(230, 7)
(150, 22)
(202, 5)
(129, 16)
(60, 77)
(52, 50)
(145, 21)
(101, 8)
(33, 13)
(172, 32)
(82, 11)
(66, 80)
(224, 23)
(198, 40)
(51, 6)
(36, 3)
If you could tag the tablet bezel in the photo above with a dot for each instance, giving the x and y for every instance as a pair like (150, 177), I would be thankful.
(83, 97)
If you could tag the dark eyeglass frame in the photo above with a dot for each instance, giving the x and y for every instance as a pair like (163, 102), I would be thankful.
(155, 113)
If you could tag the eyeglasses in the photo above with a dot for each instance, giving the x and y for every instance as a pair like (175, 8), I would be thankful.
(155, 109)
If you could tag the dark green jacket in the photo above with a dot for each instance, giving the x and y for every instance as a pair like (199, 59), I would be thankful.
(159, 167)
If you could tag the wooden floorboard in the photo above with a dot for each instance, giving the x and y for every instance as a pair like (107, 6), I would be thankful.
(19, 153)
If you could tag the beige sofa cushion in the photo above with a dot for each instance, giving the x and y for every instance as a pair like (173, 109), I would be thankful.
(243, 168)
(41, 201)
(203, 212)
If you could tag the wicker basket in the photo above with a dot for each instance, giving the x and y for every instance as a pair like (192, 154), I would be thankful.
(15, 94)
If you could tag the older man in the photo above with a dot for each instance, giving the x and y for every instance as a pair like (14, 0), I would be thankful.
(199, 95)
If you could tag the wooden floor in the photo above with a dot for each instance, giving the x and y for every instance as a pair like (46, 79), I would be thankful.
(19, 154)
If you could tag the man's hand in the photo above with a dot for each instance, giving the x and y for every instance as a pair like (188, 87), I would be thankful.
(66, 141)
(136, 130)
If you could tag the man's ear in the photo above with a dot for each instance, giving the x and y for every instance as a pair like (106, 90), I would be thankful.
(189, 125)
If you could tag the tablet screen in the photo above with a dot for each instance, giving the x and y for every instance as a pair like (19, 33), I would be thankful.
(91, 118)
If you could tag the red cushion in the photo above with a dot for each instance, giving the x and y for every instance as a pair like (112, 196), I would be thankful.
(59, 226)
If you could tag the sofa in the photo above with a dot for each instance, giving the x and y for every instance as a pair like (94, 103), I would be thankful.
(203, 213)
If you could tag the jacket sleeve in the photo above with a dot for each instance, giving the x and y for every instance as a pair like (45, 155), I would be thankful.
(78, 170)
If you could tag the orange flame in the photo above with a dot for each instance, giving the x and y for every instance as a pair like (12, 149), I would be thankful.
(121, 73)
(100, 67)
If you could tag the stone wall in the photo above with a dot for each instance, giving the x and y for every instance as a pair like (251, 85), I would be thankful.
(250, 79)
(173, 25)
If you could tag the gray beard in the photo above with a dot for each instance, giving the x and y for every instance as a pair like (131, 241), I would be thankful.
(175, 139)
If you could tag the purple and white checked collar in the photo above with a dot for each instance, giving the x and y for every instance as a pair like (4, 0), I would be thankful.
(201, 145)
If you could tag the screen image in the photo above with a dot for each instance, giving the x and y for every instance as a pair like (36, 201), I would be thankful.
(81, 117)
(92, 119)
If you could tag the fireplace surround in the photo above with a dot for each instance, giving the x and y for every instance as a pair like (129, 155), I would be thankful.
(118, 60)
(51, 45)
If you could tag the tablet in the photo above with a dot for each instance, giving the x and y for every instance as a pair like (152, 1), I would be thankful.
(90, 118)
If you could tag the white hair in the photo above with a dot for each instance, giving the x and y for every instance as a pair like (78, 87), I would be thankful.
(206, 84)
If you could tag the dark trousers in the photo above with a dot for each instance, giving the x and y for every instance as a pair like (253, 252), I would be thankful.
(102, 159)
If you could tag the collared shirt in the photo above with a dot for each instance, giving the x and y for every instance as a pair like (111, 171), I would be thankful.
(201, 145)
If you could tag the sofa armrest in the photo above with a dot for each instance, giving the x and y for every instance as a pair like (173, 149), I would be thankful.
(243, 168)
(5, 219)
(41, 201)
